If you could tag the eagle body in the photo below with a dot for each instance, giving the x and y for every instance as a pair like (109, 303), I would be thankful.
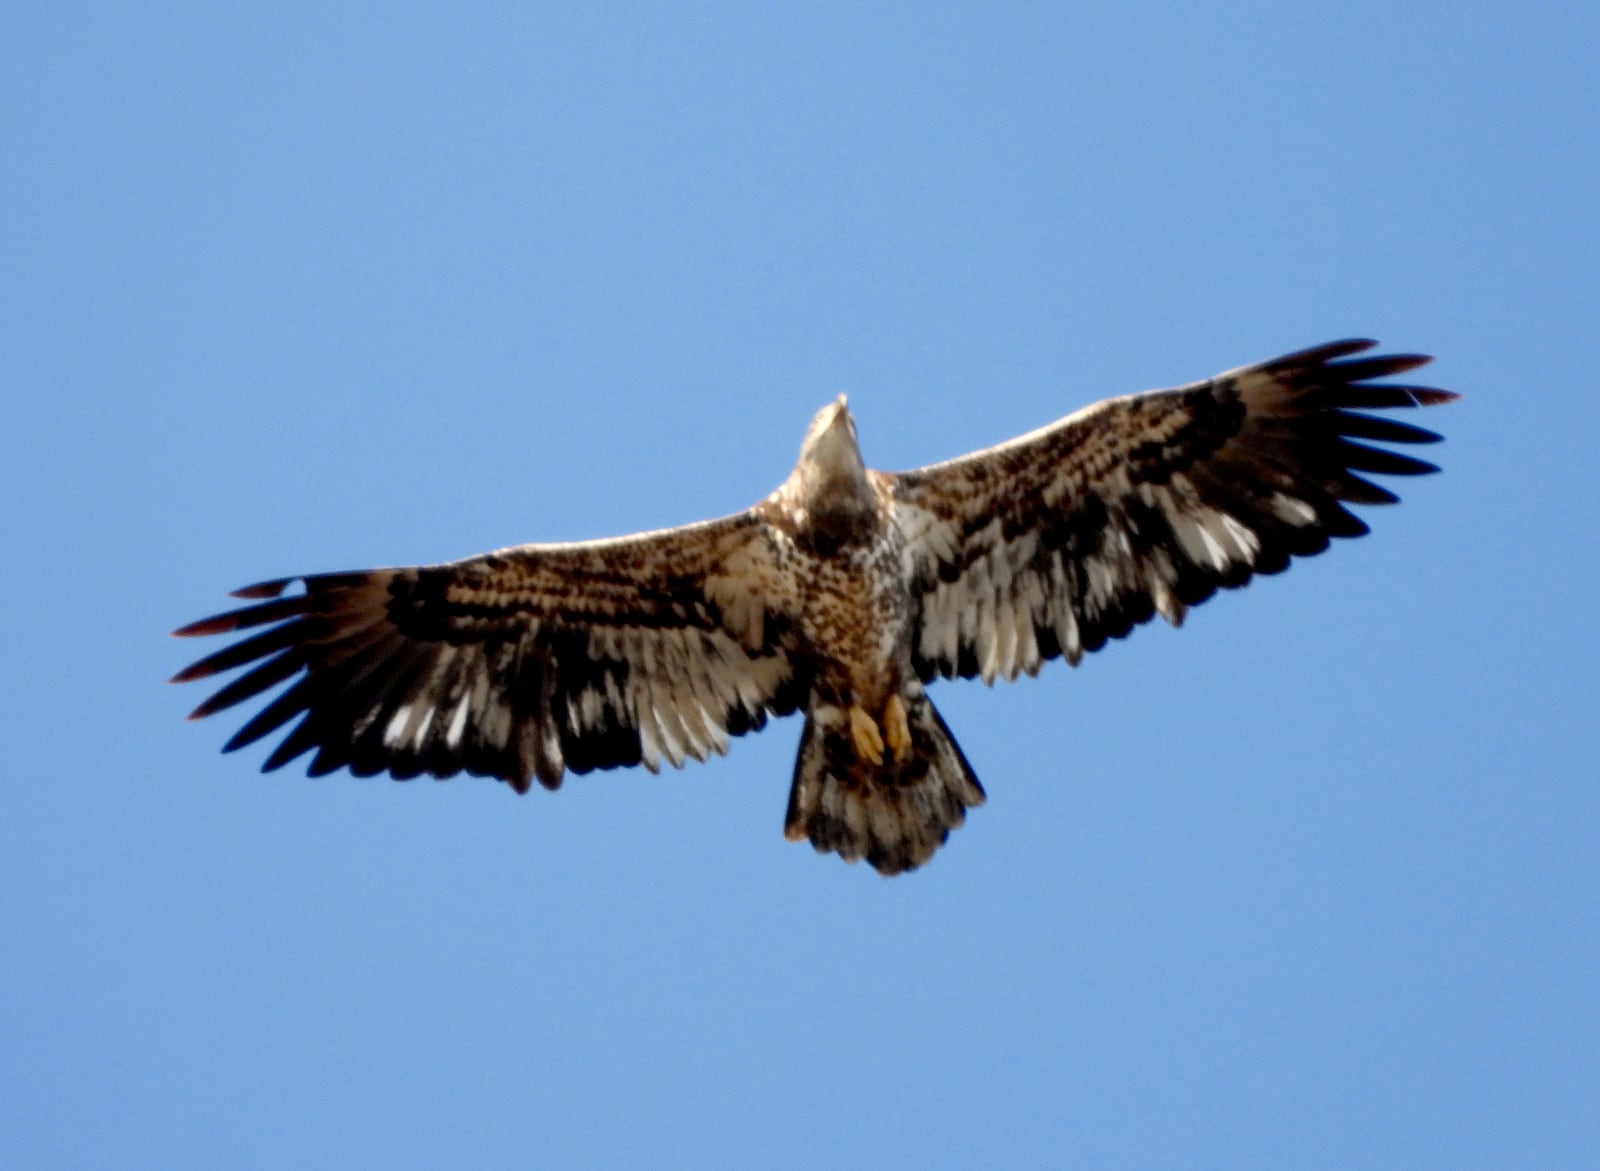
(842, 595)
(877, 774)
(853, 602)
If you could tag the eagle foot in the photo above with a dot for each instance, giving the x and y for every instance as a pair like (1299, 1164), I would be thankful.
(865, 735)
(896, 728)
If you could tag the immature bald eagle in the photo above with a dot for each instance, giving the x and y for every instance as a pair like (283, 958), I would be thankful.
(842, 594)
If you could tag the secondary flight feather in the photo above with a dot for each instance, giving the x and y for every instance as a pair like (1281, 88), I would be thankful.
(841, 595)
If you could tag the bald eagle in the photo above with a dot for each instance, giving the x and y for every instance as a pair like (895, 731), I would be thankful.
(843, 594)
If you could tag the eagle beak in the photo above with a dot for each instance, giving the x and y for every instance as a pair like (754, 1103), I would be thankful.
(839, 410)
(841, 414)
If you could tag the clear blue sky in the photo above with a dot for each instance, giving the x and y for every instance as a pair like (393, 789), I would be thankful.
(1311, 883)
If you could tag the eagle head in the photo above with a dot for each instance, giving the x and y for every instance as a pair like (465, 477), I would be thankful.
(830, 476)
(830, 448)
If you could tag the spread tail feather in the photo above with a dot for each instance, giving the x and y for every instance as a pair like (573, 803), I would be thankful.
(894, 814)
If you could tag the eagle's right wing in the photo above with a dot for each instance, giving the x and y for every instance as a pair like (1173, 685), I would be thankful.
(1054, 542)
(523, 663)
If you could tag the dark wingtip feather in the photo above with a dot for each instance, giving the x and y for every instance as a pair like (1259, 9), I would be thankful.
(1382, 366)
(1379, 396)
(330, 758)
(216, 624)
(1361, 458)
(259, 647)
(246, 617)
(1381, 429)
(300, 740)
(267, 674)
(190, 673)
(241, 739)
(264, 589)
(269, 719)
(1327, 352)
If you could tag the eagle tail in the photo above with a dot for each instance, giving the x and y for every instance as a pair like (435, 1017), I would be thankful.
(895, 810)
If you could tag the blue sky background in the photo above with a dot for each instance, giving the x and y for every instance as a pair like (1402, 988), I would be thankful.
(1311, 883)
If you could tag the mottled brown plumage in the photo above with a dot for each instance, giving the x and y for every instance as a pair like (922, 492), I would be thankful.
(842, 594)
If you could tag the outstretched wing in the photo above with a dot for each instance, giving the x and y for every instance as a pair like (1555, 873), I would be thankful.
(1058, 540)
(523, 663)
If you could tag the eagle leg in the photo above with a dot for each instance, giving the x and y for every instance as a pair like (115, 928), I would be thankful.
(896, 728)
(865, 736)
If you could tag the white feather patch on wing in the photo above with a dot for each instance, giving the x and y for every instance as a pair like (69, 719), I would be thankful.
(1068, 634)
(649, 748)
(419, 736)
(458, 720)
(1198, 545)
(394, 731)
(1296, 512)
(669, 730)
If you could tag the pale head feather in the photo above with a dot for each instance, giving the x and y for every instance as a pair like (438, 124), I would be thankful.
(830, 447)
(830, 473)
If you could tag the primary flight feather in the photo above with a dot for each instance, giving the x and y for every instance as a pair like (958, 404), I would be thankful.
(841, 595)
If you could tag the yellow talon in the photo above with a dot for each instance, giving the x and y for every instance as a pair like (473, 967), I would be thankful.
(868, 740)
(896, 730)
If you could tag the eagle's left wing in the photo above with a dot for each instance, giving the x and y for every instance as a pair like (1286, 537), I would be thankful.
(524, 663)
(1061, 539)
